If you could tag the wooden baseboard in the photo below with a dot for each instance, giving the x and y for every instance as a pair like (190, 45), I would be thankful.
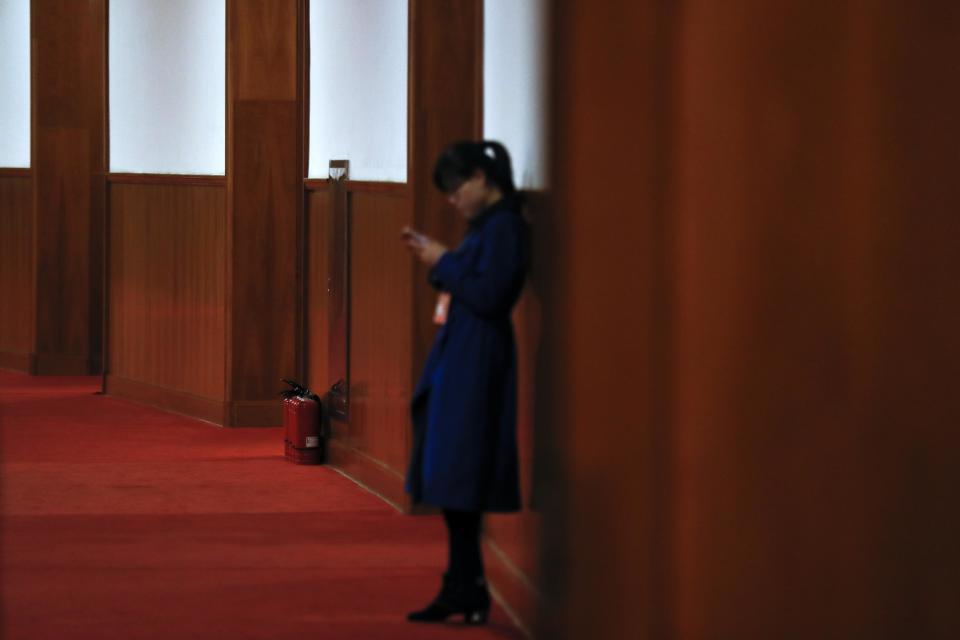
(22, 362)
(56, 364)
(255, 413)
(209, 409)
(368, 472)
(514, 590)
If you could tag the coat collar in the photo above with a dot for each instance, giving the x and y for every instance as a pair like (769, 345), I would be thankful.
(478, 221)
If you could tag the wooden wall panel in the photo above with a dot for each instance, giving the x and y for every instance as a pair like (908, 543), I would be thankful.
(68, 182)
(372, 445)
(607, 537)
(817, 407)
(380, 324)
(754, 299)
(264, 207)
(167, 290)
(264, 250)
(16, 272)
(318, 267)
(265, 49)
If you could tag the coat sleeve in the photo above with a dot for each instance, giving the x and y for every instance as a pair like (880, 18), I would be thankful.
(488, 286)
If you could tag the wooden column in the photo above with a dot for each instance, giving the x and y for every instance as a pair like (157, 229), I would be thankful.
(603, 257)
(68, 79)
(16, 269)
(753, 253)
(264, 204)
(818, 356)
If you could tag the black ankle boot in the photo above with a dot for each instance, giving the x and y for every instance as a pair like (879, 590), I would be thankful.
(469, 597)
(476, 601)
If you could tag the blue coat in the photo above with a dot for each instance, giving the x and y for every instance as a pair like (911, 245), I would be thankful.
(464, 408)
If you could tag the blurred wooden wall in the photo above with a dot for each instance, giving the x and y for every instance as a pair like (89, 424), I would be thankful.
(754, 256)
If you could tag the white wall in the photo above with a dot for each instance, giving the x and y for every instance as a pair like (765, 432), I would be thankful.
(15, 83)
(358, 87)
(168, 86)
(515, 84)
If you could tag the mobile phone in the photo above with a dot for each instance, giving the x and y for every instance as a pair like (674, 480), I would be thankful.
(415, 236)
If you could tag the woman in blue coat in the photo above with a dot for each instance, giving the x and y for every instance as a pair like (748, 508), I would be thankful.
(464, 456)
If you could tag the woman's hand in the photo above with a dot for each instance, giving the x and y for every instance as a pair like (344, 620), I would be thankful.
(424, 247)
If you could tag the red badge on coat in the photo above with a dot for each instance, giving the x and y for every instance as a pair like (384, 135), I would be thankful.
(440, 311)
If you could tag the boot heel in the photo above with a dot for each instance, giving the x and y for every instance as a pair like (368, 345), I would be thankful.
(475, 617)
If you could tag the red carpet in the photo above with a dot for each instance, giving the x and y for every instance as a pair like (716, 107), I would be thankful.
(124, 522)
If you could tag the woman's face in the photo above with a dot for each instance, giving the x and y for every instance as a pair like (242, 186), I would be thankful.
(471, 196)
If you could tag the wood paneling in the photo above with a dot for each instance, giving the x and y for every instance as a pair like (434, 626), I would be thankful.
(607, 536)
(818, 352)
(365, 186)
(264, 249)
(754, 301)
(265, 195)
(16, 272)
(167, 179)
(373, 445)
(380, 323)
(68, 186)
(167, 291)
(318, 268)
(338, 301)
(264, 38)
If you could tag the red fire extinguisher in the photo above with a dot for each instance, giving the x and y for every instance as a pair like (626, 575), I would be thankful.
(303, 426)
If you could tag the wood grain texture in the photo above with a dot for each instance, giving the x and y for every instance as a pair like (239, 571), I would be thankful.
(338, 302)
(380, 324)
(68, 304)
(264, 201)
(372, 447)
(167, 289)
(264, 249)
(68, 186)
(755, 302)
(265, 42)
(167, 178)
(817, 406)
(16, 271)
(355, 186)
(318, 269)
(607, 538)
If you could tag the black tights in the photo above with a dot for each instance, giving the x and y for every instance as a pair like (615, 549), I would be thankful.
(463, 531)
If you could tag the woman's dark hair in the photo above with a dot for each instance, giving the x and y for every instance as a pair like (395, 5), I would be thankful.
(459, 161)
